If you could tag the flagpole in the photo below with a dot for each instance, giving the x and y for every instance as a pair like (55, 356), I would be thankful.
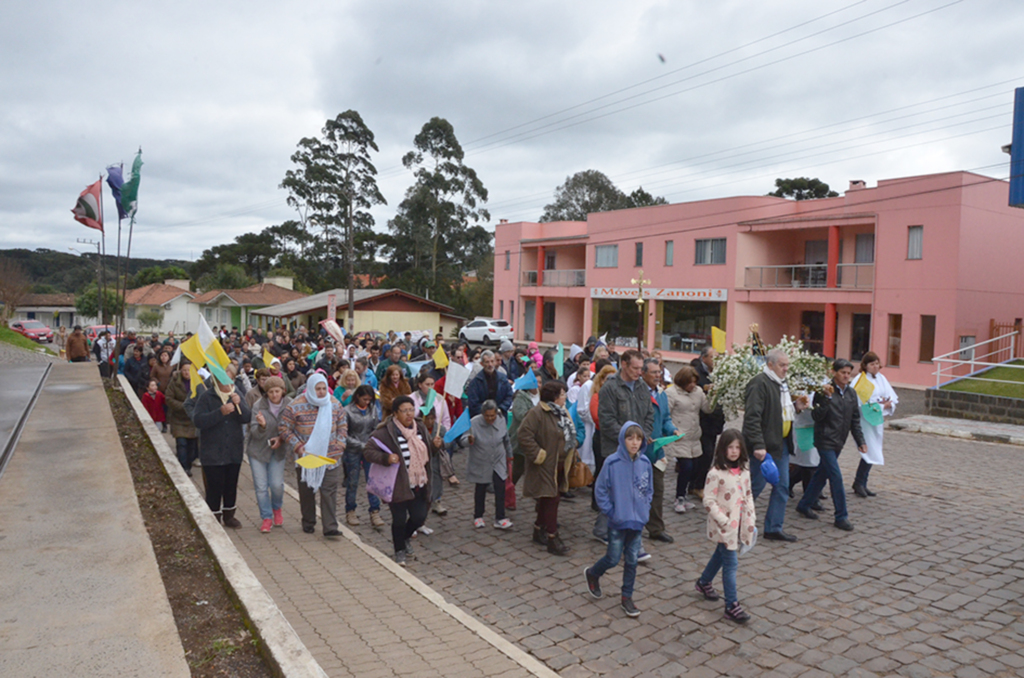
(119, 321)
(99, 289)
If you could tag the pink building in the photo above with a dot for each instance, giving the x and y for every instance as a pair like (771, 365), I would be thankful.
(911, 269)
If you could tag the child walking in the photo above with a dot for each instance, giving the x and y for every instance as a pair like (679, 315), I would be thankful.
(623, 490)
(153, 400)
(731, 519)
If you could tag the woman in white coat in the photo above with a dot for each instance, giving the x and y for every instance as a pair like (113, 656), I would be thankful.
(875, 392)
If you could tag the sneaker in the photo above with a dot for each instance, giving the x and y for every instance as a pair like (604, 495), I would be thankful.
(680, 505)
(425, 531)
(736, 613)
(687, 504)
(400, 558)
(479, 522)
(376, 520)
(629, 608)
(593, 584)
(503, 524)
(266, 526)
(278, 518)
(706, 590)
(408, 548)
(351, 518)
(643, 556)
(439, 509)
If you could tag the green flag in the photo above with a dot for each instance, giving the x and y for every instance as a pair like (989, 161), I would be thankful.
(559, 359)
(130, 189)
(428, 405)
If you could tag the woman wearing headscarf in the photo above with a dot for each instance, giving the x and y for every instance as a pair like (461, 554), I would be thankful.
(220, 415)
(404, 441)
(392, 386)
(267, 453)
(315, 423)
(547, 438)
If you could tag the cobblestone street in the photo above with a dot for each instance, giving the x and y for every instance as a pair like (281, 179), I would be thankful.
(929, 583)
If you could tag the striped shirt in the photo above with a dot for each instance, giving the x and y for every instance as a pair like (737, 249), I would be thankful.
(403, 446)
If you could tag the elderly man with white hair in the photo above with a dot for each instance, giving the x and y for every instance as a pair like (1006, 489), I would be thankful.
(768, 430)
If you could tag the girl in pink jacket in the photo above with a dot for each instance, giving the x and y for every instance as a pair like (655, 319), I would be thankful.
(731, 519)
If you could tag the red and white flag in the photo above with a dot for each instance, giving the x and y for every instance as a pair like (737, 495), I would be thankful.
(88, 210)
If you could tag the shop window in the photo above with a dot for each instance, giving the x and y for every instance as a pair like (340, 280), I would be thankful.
(710, 251)
(669, 252)
(686, 325)
(606, 256)
(927, 351)
(619, 319)
(915, 242)
(895, 335)
(549, 316)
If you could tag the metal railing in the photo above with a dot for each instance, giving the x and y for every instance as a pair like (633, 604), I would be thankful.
(557, 278)
(855, 276)
(803, 275)
(968, 360)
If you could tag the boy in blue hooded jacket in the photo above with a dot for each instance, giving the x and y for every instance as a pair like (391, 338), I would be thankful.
(623, 490)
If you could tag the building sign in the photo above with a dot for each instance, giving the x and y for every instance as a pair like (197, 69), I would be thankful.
(660, 293)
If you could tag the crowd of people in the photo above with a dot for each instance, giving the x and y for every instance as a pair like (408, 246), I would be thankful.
(375, 406)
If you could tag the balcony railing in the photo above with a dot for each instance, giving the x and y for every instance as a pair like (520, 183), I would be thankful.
(762, 277)
(856, 276)
(813, 276)
(557, 278)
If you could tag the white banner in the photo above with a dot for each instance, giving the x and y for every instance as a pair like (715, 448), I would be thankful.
(332, 307)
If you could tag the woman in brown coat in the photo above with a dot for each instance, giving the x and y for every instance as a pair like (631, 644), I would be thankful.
(162, 371)
(547, 439)
(393, 385)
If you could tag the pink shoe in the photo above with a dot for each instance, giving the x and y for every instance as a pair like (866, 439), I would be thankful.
(278, 518)
(265, 527)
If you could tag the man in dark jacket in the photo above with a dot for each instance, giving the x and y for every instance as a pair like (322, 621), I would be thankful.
(624, 397)
(711, 425)
(836, 414)
(488, 384)
(767, 429)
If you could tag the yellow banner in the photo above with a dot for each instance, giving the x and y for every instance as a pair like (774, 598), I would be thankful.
(440, 358)
(718, 339)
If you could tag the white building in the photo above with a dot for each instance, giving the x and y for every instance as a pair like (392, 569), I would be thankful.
(172, 297)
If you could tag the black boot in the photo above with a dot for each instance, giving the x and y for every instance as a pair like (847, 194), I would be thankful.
(230, 520)
(539, 536)
(556, 546)
(860, 490)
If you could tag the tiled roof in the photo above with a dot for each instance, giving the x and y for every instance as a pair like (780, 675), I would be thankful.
(156, 294)
(263, 294)
(318, 301)
(48, 300)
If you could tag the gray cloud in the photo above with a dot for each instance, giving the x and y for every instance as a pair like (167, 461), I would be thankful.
(218, 95)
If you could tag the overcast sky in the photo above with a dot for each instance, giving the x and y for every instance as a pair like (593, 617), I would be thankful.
(689, 99)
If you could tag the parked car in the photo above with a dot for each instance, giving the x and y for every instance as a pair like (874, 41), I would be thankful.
(92, 332)
(33, 329)
(487, 331)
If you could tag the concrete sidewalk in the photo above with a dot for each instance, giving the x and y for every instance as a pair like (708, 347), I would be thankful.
(960, 428)
(358, 613)
(81, 592)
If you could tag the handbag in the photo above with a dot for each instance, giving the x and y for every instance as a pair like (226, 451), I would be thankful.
(381, 479)
(579, 473)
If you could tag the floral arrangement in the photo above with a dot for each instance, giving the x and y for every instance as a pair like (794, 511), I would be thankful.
(807, 373)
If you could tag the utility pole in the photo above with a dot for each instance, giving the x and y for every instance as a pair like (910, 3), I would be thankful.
(99, 273)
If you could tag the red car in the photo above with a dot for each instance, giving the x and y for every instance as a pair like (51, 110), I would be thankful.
(92, 332)
(33, 329)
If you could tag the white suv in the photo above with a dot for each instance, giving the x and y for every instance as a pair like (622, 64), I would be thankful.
(486, 331)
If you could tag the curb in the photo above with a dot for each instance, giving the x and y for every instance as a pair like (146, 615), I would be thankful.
(951, 432)
(286, 652)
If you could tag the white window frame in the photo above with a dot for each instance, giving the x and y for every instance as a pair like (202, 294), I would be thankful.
(670, 252)
(915, 243)
(705, 250)
(610, 258)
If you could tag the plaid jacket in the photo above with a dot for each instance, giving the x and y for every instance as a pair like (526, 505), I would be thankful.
(298, 418)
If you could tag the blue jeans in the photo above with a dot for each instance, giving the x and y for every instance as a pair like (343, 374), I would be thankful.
(619, 542)
(352, 462)
(268, 481)
(828, 470)
(776, 512)
(727, 561)
(187, 450)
